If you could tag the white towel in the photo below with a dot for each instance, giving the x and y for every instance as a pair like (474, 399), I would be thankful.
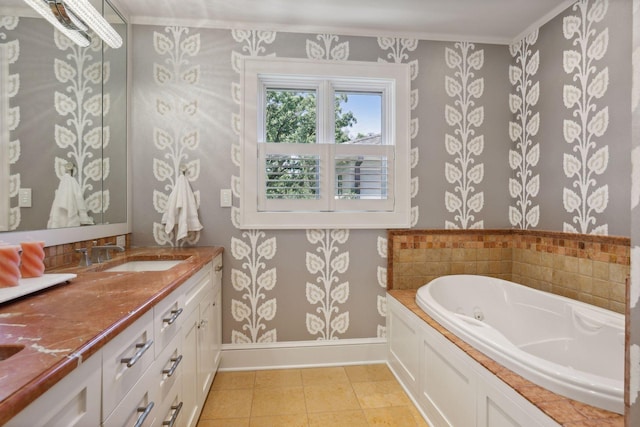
(68, 208)
(181, 210)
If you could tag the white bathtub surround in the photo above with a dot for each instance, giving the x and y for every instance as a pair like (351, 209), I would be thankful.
(568, 347)
(449, 386)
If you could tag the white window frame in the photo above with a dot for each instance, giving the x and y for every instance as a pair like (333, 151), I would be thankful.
(393, 80)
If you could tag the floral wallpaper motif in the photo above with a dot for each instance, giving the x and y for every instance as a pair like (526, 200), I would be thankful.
(399, 49)
(526, 184)
(178, 139)
(255, 279)
(324, 50)
(328, 264)
(589, 120)
(463, 144)
(83, 137)
(10, 119)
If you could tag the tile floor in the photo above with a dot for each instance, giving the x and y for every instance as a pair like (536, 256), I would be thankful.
(353, 396)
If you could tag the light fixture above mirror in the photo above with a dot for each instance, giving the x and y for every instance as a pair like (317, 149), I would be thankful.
(74, 18)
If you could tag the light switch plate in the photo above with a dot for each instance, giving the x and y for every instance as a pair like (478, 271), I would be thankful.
(24, 198)
(225, 198)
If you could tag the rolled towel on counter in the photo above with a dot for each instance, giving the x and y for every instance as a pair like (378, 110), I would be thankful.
(182, 210)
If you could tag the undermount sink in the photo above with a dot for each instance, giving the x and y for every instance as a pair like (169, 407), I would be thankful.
(147, 265)
(8, 350)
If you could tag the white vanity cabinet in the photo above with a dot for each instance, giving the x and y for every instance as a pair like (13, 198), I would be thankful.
(156, 372)
(201, 340)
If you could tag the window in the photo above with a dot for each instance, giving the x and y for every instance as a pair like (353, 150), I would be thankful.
(325, 144)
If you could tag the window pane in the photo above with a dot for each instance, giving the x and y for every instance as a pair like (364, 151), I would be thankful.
(290, 116)
(292, 177)
(361, 177)
(358, 117)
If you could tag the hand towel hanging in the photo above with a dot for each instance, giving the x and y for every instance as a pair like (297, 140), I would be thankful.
(68, 208)
(182, 210)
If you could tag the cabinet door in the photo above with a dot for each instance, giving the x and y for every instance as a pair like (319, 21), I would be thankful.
(189, 368)
(74, 401)
(206, 347)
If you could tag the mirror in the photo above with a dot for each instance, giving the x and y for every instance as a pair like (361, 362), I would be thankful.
(63, 111)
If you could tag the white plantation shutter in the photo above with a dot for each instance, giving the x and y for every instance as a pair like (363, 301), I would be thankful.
(325, 177)
(363, 177)
(303, 170)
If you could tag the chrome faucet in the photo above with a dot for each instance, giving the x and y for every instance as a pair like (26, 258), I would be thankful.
(100, 254)
(85, 261)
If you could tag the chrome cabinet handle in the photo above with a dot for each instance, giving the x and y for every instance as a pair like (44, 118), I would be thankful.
(203, 323)
(174, 315)
(143, 416)
(176, 411)
(218, 267)
(142, 348)
(176, 361)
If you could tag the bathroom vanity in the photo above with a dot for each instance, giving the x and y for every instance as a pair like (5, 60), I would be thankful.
(115, 348)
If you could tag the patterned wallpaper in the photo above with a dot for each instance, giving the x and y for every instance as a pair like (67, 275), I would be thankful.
(494, 145)
(633, 416)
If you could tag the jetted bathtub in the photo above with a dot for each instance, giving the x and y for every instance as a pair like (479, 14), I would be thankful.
(563, 345)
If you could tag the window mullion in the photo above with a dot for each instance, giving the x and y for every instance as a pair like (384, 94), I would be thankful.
(326, 137)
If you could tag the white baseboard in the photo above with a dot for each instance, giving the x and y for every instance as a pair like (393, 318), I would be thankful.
(297, 354)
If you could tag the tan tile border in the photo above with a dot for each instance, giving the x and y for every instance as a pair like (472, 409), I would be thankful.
(609, 249)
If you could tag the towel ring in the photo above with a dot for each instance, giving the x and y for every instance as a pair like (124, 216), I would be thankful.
(183, 169)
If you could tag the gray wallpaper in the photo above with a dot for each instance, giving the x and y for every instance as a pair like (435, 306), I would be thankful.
(296, 285)
(633, 416)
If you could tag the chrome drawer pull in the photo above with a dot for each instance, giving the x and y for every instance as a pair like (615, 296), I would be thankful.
(176, 361)
(143, 416)
(130, 361)
(176, 411)
(175, 314)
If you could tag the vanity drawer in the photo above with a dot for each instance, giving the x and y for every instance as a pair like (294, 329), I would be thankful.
(167, 369)
(141, 402)
(125, 360)
(171, 411)
(168, 316)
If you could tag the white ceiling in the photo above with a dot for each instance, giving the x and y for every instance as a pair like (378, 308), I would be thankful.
(490, 21)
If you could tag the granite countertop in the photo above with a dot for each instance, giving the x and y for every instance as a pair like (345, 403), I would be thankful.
(63, 325)
(566, 412)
